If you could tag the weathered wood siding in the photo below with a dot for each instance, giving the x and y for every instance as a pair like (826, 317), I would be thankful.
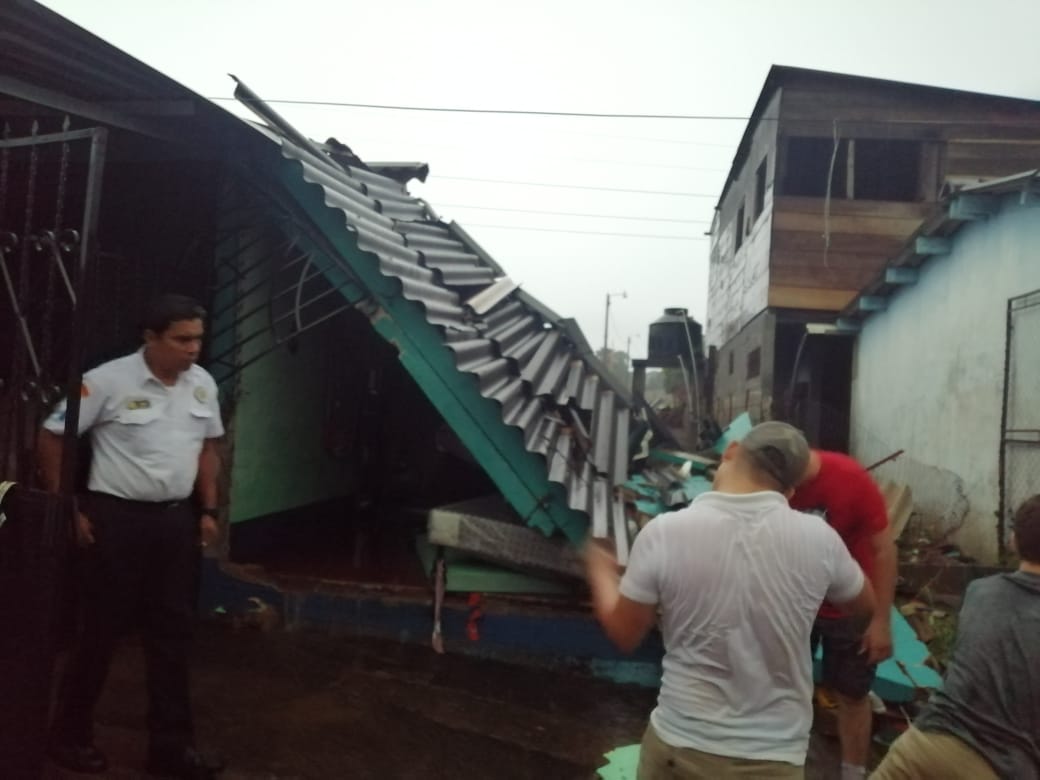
(962, 137)
(739, 277)
(984, 158)
(807, 273)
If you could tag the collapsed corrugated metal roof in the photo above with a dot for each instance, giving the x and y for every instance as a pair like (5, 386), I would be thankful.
(534, 364)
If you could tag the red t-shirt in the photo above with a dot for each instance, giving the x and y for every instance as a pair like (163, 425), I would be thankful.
(844, 494)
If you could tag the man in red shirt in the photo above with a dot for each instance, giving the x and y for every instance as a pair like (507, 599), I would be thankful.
(839, 489)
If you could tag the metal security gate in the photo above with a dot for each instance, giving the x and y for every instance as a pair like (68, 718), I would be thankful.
(50, 191)
(1020, 429)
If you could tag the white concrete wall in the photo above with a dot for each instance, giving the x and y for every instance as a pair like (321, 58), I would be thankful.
(928, 372)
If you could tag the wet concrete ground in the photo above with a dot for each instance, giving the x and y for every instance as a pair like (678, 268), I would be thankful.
(283, 706)
(295, 705)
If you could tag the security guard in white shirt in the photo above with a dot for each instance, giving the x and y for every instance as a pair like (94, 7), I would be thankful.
(154, 421)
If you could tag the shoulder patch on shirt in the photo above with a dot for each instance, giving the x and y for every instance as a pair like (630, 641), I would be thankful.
(201, 394)
(138, 403)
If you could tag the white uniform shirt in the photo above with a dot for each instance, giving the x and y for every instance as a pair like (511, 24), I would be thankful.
(739, 579)
(146, 437)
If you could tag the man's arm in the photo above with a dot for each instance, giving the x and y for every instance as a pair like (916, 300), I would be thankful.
(877, 642)
(206, 488)
(625, 622)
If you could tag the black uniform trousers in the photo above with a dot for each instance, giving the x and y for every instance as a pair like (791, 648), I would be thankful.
(142, 571)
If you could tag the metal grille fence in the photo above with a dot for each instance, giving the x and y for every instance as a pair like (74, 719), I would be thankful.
(1020, 440)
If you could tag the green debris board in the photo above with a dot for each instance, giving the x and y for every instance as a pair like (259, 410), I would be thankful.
(470, 575)
(900, 676)
(624, 761)
(735, 431)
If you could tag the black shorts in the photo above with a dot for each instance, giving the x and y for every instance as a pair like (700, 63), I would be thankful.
(845, 667)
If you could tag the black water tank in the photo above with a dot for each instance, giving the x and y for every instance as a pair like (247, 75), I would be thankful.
(668, 337)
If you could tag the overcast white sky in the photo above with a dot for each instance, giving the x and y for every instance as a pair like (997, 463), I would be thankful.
(599, 56)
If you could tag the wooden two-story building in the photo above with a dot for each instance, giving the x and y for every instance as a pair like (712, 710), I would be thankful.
(832, 175)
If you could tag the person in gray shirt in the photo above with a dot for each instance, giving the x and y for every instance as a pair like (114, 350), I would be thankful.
(985, 721)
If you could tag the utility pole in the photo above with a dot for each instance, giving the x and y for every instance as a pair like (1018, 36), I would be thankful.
(606, 319)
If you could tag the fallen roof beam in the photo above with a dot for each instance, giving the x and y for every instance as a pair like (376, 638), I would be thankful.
(901, 275)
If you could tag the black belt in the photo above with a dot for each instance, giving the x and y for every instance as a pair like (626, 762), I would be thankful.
(140, 506)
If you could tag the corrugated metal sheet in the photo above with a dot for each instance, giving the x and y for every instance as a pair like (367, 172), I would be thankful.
(536, 365)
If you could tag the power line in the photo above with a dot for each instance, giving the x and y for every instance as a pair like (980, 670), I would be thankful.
(671, 166)
(587, 232)
(573, 214)
(579, 187)
(1027, 122)
(503, 111)
(730, 146)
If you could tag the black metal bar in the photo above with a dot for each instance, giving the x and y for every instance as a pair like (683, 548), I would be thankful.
(279, 342)
(47, 240)
(83, 310)
(307, 228)
(1002, 455)
(1017, 305)
(50, 138)
(250, 290)
(256, 334)
(259, 307)
(23, 325)
(227, 261)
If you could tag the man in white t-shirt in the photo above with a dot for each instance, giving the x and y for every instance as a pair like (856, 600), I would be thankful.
(738, 577)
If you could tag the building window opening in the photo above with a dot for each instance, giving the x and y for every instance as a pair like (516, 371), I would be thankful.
(754, 363)
(886, 170)
(760, 189)
(864, 168)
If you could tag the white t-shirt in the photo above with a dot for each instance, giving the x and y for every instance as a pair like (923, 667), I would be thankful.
(146, 437)
(739, 579)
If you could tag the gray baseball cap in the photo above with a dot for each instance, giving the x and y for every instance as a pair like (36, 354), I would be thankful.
(780, 450)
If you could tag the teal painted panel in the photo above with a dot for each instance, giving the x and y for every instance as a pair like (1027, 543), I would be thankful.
(696, 485)
(643, 673)
(735, 431)
(280, 460)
